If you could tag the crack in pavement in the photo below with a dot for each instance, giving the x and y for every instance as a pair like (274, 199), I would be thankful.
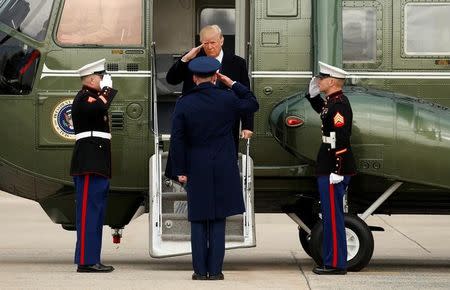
(301, 269)
(403, 234)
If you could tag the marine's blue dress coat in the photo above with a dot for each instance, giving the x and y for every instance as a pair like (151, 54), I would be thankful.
(202, 148)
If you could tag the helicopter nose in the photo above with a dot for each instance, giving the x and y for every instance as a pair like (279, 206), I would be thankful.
(296, 126)
(286, 117)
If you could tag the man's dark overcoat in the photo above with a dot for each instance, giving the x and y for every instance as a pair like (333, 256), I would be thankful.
(233, 66)
(202, 148)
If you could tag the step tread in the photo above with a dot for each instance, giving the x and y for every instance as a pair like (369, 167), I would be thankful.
(172, 237)
(177, 216)
(174, 195)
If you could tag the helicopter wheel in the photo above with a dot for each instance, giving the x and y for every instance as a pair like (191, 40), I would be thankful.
(305, 239)
(360, 243)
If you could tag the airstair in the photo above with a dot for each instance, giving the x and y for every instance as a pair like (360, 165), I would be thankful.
(169, 226)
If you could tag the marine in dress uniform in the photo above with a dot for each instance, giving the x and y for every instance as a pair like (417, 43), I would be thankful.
(335, 163)
(233, 66)
(204, 157)
(91, 163)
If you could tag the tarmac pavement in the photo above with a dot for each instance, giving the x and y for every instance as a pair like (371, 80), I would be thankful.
(413, 253)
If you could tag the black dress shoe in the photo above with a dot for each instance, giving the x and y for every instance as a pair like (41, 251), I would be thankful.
(216, 277)
(324, 270)
(196, 276)
(97, 268)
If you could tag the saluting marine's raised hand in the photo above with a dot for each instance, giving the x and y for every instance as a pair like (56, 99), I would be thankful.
(314, 87)
(106, 81)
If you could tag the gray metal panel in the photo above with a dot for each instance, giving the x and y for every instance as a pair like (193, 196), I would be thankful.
(174, 26)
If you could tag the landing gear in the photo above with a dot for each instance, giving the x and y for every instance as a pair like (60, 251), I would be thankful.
(306, 216)
(305, 240)
(360, 243)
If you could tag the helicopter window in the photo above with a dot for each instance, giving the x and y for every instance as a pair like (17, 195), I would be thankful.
(101, 22)
(27, 16)
(225, 18)
(18, 64)
(360, 34)
(426, 29)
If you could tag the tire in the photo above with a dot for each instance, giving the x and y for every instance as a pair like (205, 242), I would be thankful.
(305, 210)
(360, 243)
(305, 239)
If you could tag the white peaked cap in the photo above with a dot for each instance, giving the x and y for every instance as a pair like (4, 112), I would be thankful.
(332, 71)
(93, 67)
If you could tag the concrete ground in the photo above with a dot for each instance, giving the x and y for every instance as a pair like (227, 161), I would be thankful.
(413, 253)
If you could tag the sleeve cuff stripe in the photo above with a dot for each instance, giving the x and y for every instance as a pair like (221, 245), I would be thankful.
(341, 151)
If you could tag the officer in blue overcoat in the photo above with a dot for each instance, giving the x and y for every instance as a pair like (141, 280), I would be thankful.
(204, 158)
(335, 163)
(91, 163)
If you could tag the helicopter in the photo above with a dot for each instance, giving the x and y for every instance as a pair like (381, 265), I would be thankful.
(399, 71)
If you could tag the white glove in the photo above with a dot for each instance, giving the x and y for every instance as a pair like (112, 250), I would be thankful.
(314, 87)
(335, 179)
(106, 81)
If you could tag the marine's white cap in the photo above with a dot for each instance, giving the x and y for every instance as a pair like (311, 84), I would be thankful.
(92, 68)
(327, 70)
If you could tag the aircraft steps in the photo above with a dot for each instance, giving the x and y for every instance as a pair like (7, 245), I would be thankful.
(170, 231)
(176, 227)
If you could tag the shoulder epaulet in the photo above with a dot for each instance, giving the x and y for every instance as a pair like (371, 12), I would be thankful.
(336, 99)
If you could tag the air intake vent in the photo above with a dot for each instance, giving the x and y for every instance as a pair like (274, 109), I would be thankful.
(132, 67)
(117, 120)
(112, 67)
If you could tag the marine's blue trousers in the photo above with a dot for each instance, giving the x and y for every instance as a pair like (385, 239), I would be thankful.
(91, 193)
(334, 239)
(208, 246)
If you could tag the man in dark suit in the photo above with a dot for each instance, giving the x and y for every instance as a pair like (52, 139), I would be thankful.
(233, 67)
(204, 157)
(91, 163)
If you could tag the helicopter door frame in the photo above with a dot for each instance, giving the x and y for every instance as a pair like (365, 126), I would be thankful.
(168, 225)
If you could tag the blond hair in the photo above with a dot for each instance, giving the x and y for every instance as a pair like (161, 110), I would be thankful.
(209, 28)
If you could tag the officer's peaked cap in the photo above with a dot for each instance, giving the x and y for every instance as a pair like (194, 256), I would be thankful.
(96, 67)
(204, 66)
(327, 70)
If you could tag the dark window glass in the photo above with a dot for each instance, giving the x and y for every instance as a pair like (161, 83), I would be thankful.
(18, 65)
(27, 16)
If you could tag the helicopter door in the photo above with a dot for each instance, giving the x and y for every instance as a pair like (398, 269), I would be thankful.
(169, 226)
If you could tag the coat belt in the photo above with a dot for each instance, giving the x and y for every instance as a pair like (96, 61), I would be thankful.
(330, 140)
(87, 134)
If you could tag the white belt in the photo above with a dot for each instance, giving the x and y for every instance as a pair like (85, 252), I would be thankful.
(87, 134)
(330, 140)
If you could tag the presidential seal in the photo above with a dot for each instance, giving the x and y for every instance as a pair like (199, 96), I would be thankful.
(62, 120)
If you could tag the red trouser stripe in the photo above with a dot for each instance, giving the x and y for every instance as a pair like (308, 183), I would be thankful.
(83, 217)
(333, 226)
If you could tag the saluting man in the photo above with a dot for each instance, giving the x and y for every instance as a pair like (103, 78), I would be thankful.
(232, 66)
(91, 163)
(335, 163)
(204, 157)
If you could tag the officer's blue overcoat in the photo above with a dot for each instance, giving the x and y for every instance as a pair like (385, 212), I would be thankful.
(202, 148)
